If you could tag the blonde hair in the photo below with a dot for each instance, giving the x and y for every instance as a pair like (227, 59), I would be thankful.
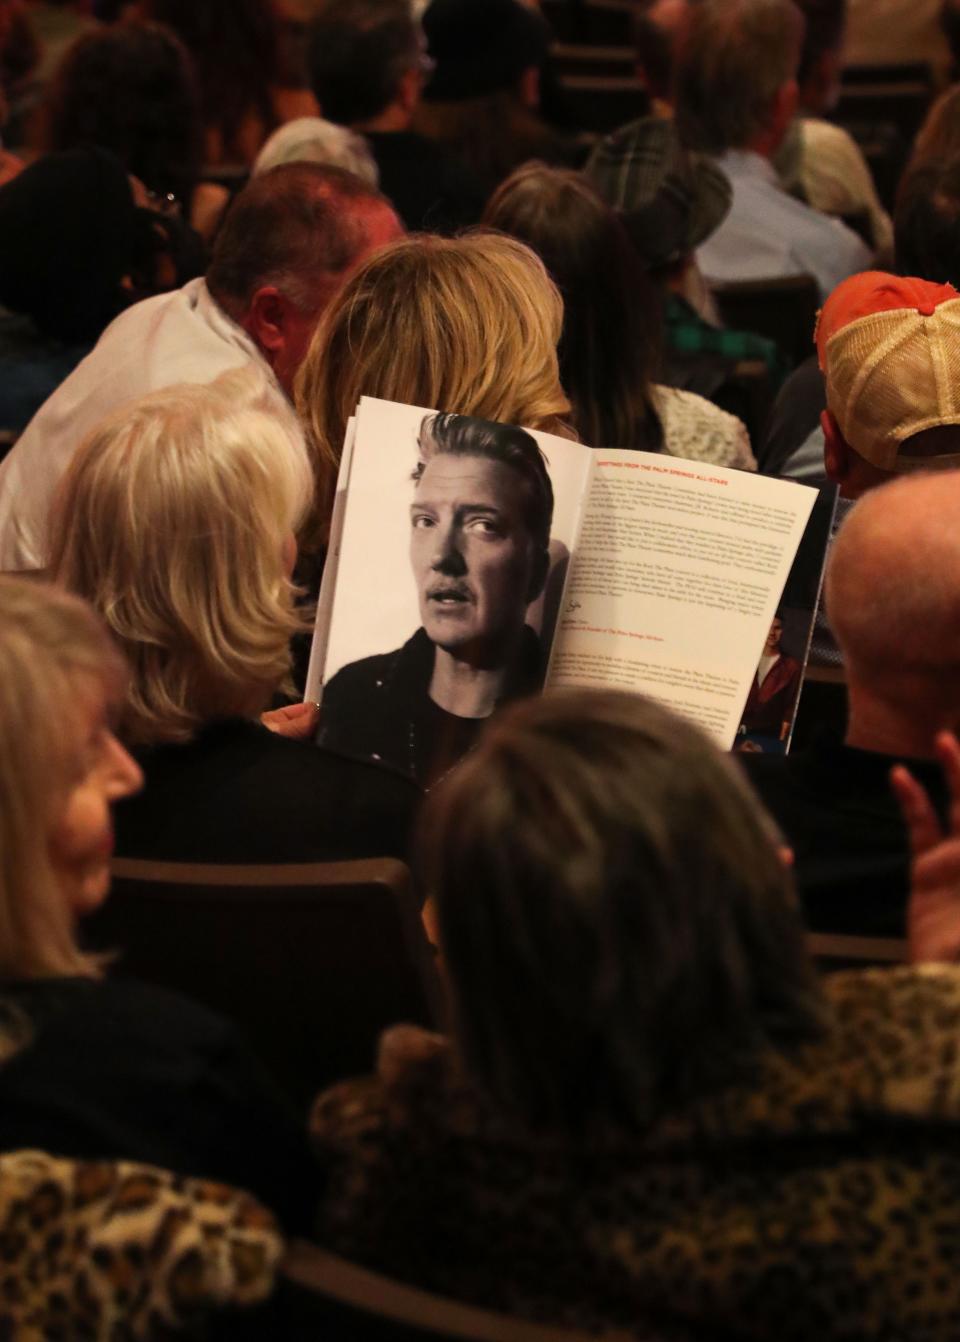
(171, 521)
(49, 643)
(468, 325)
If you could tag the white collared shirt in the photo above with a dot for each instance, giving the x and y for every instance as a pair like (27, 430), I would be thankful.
(183, 336)
(768, 234)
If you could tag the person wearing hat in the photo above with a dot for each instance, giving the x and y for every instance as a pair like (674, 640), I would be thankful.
(670, 201)
(483, 96)
(889, 350)
(367, 63)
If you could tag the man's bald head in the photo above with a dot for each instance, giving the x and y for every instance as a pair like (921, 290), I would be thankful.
(893, 586)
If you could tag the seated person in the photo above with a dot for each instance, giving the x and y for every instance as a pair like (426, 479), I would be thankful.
(468, 325)
(609, 347)
(479, 547)
(368, 64)
(736, 96)
(892, 581)
(651, 1116)
(65, 273)
(94, 1068)
(176, 520)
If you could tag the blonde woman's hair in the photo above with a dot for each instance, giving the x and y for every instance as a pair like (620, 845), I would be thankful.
(52, 650)
(468, 325)
(172, 521)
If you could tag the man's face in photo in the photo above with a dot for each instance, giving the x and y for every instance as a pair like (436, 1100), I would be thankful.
(473, 557)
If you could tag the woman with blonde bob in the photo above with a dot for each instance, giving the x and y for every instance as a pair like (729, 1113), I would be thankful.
(176, 521)
(90, 1067)
(651, 1118)
(468, 325)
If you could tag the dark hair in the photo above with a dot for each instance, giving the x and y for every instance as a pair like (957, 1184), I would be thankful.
(926, 222)
(131, 89)
(825, 21)
(735, 58)
(610, 344)
(617, 926)
(299, 226)
(235, 46)
(359, 50)
(465, 436)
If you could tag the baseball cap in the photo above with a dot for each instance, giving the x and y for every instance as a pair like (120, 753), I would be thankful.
(889, 348)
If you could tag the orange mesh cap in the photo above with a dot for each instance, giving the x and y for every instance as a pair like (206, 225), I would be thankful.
(889, 348)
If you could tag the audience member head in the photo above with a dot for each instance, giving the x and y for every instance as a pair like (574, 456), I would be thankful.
(287, 244)
(609, 347)
(130, 88)
(311, 139)
(658, 29)
(60, 769)
(926, 223)
(176, 520)
(366, 62)
(484, 94)
(669, 198)
(939, 136)
(468, 325)
(614, 916)
(821, 57)
(736, 78)
(234, 46)
(69, 243)
(893, 597)
(889, 349)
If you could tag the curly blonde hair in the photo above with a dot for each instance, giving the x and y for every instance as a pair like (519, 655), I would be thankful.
(468, 325)
(174, 520)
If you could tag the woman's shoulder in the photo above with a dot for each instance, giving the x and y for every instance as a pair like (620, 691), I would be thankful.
(695, 428)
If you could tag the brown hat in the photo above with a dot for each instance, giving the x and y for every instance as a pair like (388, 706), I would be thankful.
(889, 348)
(671, 200)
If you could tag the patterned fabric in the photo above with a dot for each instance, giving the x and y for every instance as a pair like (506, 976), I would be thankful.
(820, 1201)
(111, 1251)
(697, 430)
(688, 333)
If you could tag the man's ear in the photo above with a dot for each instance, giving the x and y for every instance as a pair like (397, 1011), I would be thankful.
(409, 89)
(782, 111)
(529, 88)
(266, 319)
(538, 575)
(836, 454)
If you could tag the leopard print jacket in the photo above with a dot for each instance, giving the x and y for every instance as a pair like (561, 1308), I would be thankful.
(111, 1251)
(821, 1202)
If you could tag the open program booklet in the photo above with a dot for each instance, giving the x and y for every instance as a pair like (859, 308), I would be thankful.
(454, 583)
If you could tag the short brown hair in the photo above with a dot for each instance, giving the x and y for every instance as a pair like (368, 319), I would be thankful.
(736, 57)
(616, 922)
(299, 226)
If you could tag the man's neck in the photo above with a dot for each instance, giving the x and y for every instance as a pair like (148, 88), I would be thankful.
(888, 728)
(465, 690)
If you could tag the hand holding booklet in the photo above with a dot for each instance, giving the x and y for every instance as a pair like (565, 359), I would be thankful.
(471, 563)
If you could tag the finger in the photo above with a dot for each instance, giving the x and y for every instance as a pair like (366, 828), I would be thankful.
(923, 826)
(948, 753)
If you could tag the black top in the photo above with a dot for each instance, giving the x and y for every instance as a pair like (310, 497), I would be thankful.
(379, 708)
(837, 812)
(429, 188)
(241, 793)
(124, 1071)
